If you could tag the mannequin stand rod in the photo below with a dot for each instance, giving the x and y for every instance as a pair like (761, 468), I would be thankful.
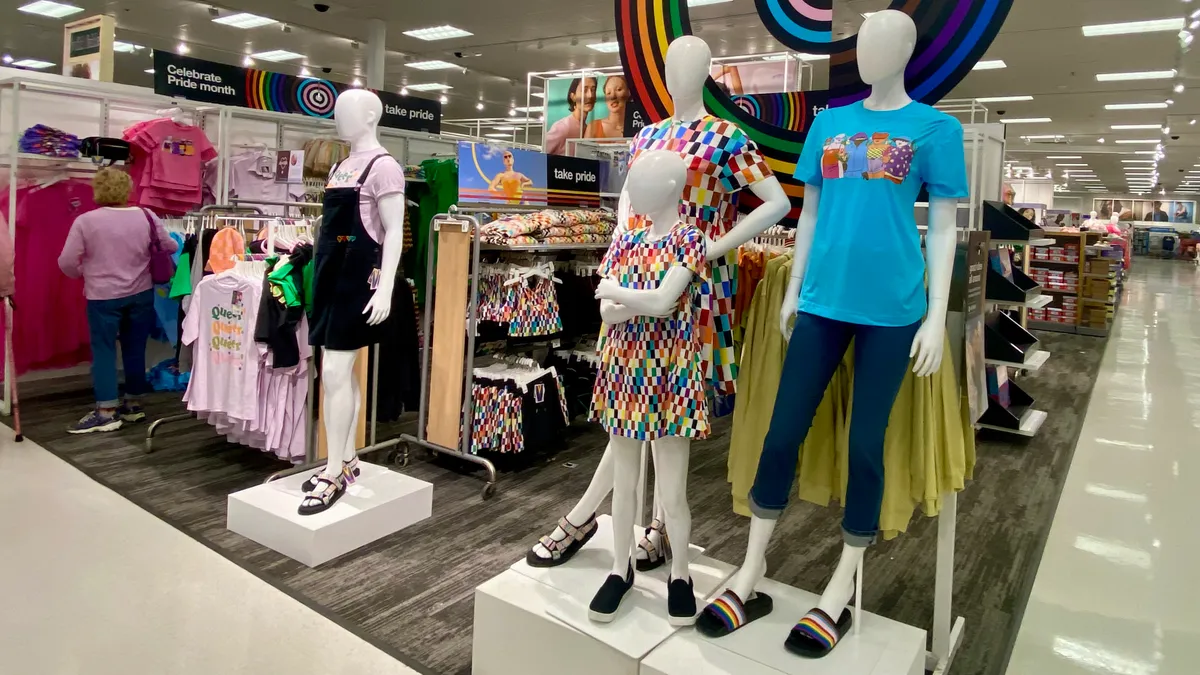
(947, 633)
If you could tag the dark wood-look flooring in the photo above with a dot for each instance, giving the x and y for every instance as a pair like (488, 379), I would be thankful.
(412, 593)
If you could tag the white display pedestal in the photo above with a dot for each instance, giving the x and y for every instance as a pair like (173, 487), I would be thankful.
(881, 646)
(379, 503)
(533, 620)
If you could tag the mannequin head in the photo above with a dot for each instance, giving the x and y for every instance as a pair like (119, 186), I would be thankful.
(356, 114)
(1094, 217)
(655, 185)
(688, 62)
(885, 44)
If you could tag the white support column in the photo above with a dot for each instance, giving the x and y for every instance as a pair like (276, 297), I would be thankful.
(376, 52)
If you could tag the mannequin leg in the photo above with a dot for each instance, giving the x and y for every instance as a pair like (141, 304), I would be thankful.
(655, 537)
(337, 378)
(816, 348)
(627, 455)
(349, 445)
(597, 490)
(881, 359)
(671, 471)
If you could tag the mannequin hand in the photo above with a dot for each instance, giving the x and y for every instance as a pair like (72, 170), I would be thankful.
(927, 348)
(379, 307)
(791, 304)
(614, 313)
(609, 289)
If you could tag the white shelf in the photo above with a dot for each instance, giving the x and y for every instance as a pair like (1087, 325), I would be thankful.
(1032, 363)
(1022, 242)
(1031, 421)
(1036, 303)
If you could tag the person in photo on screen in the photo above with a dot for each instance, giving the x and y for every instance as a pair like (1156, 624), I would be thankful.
(510, 182)
(1182, 215)
(1159, 215)
(616, 97)
(581, 99)
(1121, 211)
(729, 79)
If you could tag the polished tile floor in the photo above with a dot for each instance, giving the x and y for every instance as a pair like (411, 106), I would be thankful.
(1117, 591)
(93, 584)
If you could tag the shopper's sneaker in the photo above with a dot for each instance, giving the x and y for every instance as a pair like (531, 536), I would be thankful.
(95, 421)
(131, 412)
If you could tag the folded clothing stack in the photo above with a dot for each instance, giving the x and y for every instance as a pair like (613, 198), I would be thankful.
(585, 226)
(40, 139)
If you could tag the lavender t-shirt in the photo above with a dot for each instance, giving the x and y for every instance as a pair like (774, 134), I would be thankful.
(386, 178)
(222, 313)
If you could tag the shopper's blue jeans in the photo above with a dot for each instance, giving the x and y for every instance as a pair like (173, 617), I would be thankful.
(129, 319)
(881, 357)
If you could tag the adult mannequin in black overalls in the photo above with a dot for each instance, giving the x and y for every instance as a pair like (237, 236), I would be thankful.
(353, 280)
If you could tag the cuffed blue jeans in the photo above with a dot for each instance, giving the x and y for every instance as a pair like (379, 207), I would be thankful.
(130, 320)
(881, 357)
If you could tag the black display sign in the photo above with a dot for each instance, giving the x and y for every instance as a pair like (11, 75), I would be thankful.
(223, 84)
(572, 181)
(85, 42)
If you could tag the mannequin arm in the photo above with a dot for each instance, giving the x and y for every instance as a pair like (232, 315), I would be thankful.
(652, 302)
(805, 226)
(775, 205)
(622, 212)
(614, 312)
(940, 242)
(391, 214)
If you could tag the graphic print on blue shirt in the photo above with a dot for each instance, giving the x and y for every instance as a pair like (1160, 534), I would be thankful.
(866, 264)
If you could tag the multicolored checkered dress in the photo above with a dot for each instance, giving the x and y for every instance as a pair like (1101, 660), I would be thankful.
(721, 161)
(650, 382)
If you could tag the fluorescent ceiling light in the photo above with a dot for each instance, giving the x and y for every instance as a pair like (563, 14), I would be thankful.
(1070, 165)
(995, 64)
(1146, 152)
(1130, 127)
(538, 94)
(1139, 161)
(1136, 141)
(54, 10)
(813, 57)
(1003, 99)
(701, 3)
(1129, 27)
(530, 109)
(498, 135)
(429, 86)
(1027, 120)
(277, 55)
(431, 65)
(606, 47)
(1087, 180)
(1135, 106)
(1064, 157)
(506, 128)
(35, 64)
(1142, 75)
(126, 47)
(1044, 137)
(437, 33)
(244, 20)
(776, 57)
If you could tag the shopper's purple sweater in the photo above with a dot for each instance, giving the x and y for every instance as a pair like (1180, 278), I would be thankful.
(110, 249)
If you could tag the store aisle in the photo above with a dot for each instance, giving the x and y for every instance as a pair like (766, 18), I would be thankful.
(94, 584)
(1116, 591)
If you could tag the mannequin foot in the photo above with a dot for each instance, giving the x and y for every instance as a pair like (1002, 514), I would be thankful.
(836, 597)
(350, 469)
(728, 613)
(562, 544)
(753, 570)
(324, 494)
(817, 633)
(654, 549)
(604, 606)
(681, 602)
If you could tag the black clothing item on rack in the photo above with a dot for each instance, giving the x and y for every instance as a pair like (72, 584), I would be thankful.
(399, 360)
(542, 417)
(277, 323)
(578, 307)
(346, 258)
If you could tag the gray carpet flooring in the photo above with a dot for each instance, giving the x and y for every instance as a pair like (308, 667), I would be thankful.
(412, 593)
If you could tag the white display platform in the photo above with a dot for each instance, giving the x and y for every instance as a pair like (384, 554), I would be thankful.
(881, 646)
(532, 620)
(379, 503)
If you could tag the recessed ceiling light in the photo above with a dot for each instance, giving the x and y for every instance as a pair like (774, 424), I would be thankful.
(1136, 141)
(1170, 101)
(1141, 75)
(126, 47)
(444, 99)
(606, 47)
(530, 109)
(277, 55)
(34, 64)
(1129, 27)
(247, 61)
(1099, 140)
(1135, 106)
(1027, 120)
(1179, 88)
(1130, 127)
(479, 105)
(182, 48)
(54, 10)
(498, 135)
(149, 70)
(431, 65)
(1064, 157)
(244, 20)
(437, 33)
(429, 86)
(701, 3)
(304, 72)
(404, 91)
(995, 64)
(1003, 99)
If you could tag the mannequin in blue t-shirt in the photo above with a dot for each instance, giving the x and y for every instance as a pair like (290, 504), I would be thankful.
(858, 274)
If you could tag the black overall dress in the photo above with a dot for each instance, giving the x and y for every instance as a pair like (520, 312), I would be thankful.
(345, 258)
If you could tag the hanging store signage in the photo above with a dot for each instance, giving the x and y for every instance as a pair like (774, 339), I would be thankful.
(496, 174)
(967, 321)
(572, 181)
(223, 84)
(88, 48)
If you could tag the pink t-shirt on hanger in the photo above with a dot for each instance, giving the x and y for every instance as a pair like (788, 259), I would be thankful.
(386, 178)
(179, 153)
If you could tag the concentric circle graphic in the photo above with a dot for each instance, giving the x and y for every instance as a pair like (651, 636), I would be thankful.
(316, 97)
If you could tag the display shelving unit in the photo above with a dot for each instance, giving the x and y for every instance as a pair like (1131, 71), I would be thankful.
(1095, 294)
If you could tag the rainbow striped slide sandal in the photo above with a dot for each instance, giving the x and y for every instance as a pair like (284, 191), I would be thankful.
(816, 635)
(728, 613)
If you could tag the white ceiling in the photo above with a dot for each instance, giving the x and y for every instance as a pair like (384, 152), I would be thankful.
(1047, 56)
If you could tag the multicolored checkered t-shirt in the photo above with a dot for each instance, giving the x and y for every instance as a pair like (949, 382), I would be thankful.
(650, 382)
(721, 161)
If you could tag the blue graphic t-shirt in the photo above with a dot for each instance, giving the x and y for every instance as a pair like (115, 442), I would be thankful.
(866, 265)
